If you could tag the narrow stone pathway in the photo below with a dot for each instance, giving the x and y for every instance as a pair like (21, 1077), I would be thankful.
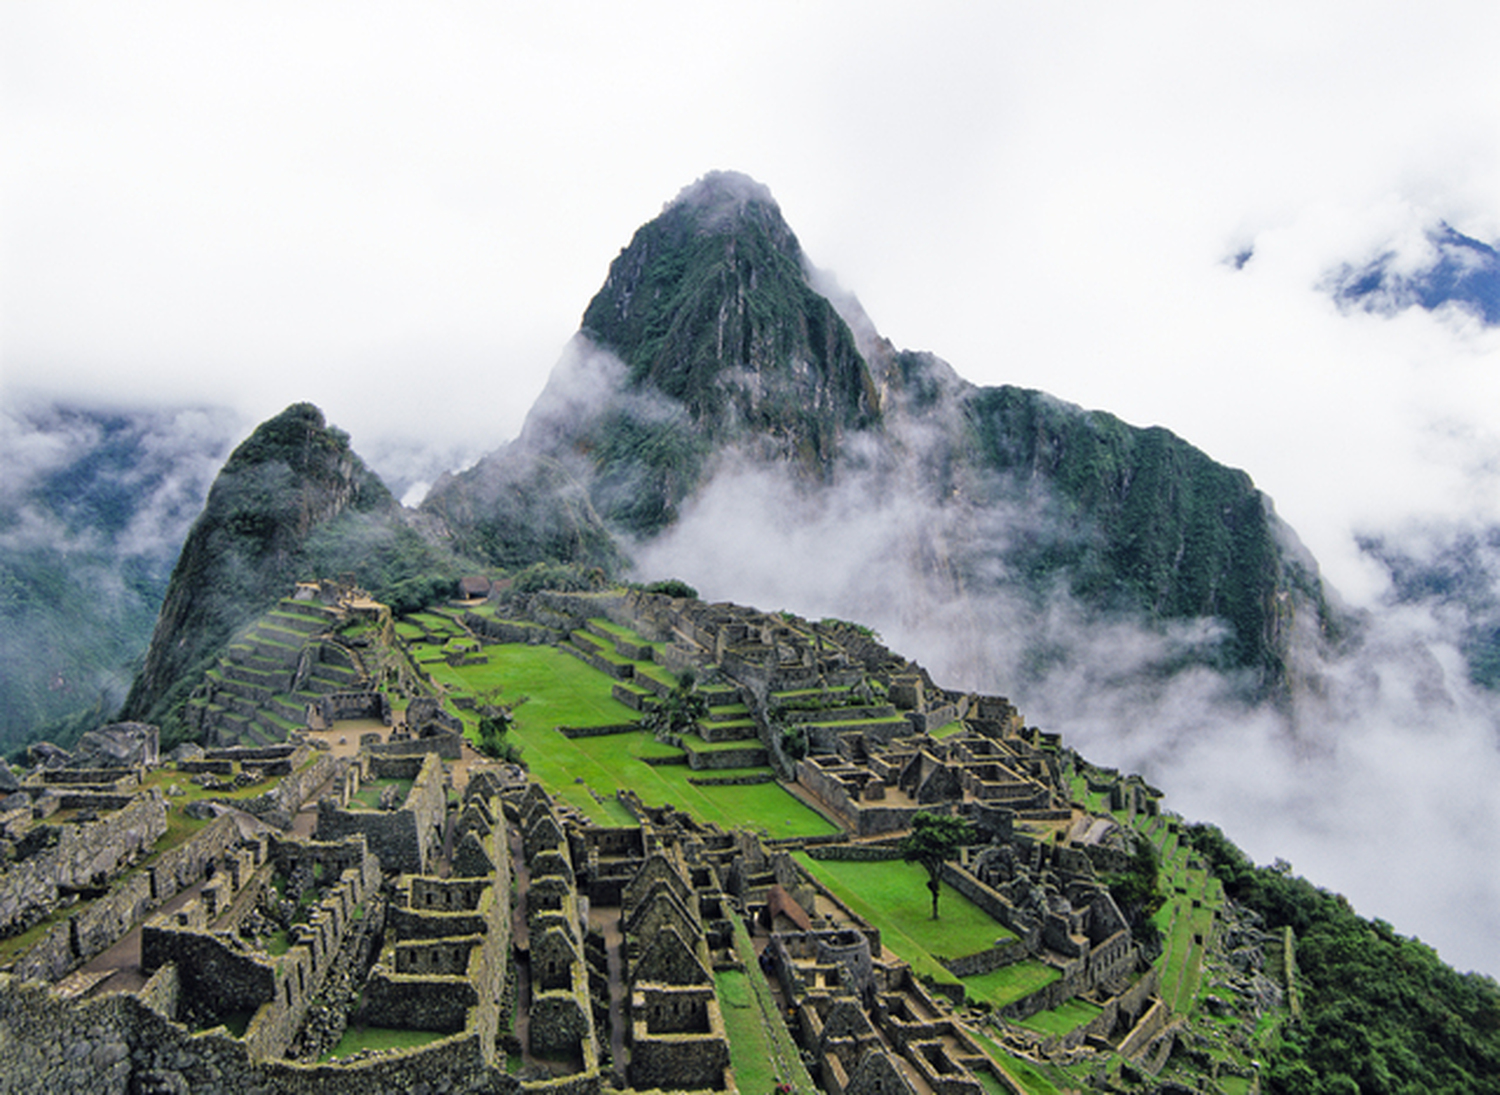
(609, 922)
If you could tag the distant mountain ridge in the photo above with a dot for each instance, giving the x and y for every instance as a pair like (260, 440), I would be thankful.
(94, 505)
(709, 353)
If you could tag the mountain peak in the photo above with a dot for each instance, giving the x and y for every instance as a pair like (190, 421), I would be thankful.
(721, 197)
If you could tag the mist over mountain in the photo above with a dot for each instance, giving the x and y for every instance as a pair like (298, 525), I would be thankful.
(94, 505)
(709, 362)
(1118, 583)
(1447, 268)
(728, 415)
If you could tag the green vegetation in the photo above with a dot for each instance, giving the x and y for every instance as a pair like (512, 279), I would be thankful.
(1064, 1019)
(561, 690)
(671, 587)
(1032, 1078)
(934, 839)
(254, 539)
(1380, 1012)
(375, 1039)
(1010, 983)
(761, 1049)
(678, 712)
(1147, 522)
(888, 894)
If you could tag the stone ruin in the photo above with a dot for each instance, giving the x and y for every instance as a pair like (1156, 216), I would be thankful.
(544, 953)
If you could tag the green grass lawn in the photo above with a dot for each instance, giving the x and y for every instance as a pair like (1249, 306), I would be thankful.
(1033, 1079)
(563, 691)
(377, 1038)
(1010, 983)
(1065, 1019)
(369, 796)
(893, 897)
(761, 1049)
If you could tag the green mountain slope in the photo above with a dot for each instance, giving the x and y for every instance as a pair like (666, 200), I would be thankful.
(94, 505)
(708, 347)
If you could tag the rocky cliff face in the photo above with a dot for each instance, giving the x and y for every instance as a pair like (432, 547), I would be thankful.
(293, 477)
(708, 348)
(710, 305)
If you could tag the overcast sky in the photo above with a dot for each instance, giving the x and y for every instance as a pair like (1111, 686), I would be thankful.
(400, 211)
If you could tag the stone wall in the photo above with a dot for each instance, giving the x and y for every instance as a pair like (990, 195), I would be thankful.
(118, 1045)
(445, 745)
(222, 976)
(96, 926)
(751, 756)
(512, 631)
(86, 854)
(355, 705)
(986, 961)
(402, 839)
(280, 804)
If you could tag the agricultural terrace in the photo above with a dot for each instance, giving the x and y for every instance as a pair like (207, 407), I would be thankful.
(547, 689)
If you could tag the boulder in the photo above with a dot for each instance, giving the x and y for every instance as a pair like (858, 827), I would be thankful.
(44, 754)
(118, 745)
(188, 750)
(9, 781)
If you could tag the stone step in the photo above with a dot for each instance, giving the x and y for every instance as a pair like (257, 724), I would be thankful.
(292, 708)
(272, 631)
(883, 712)
(295, 621)
(632, 695)
(311, 609)
(273, 653)
(701, 758)
(249, 673)
(620, 671)
(258, 734)
(738, 730)
(719, 695)
(339, 678)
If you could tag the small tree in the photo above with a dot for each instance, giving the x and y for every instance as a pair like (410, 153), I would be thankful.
(678, 713)
(934, 839)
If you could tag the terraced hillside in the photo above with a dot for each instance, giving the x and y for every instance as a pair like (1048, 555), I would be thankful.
(261, 687)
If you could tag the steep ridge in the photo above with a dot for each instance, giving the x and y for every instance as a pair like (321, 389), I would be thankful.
(709, 350)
